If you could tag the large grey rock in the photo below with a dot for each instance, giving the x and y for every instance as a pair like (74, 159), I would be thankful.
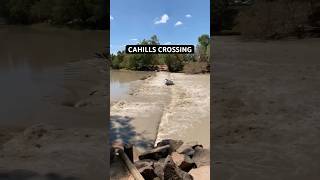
(201, 173)
(145, 167)
(158, 169)
(156, 154)
(172, 172)
(183, 161)
(143, 163)
(174, 144)
(147, 173)
(187, 150)
(201, 157)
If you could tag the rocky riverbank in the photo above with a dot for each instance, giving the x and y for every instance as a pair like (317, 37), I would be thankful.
(174, 159)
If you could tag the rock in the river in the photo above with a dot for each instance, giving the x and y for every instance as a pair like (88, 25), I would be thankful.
(158, 169)
(183, 161)
(147, 172)
(145, 167)
(157, 153)
(187, 150)
(173, 172)
(143, 163)
(174, 144)
(201, 156)
(201, 173)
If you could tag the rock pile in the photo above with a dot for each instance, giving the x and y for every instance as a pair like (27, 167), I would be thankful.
(173, 160)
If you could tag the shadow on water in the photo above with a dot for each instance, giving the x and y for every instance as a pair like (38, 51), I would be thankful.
(30, 175)
(121, 129)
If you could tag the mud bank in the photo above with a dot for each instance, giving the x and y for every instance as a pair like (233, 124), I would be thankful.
(47, 152)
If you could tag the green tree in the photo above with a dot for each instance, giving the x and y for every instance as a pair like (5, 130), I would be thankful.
(223, 16)
(204, 40)
(117, 60)
(3, 8)
(42, 10)
(175, 62)
(18, 11)
(76, 13)
(202, 48)
(154, 40)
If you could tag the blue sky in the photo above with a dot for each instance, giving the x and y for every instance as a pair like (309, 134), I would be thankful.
(173, 21)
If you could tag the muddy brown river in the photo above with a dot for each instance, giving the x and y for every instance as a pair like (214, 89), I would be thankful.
(50, 75)
(120, 82)
(45, 72)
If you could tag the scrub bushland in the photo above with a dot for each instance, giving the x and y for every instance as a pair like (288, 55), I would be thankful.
(174, 62)
(266, 19)
(89, 14)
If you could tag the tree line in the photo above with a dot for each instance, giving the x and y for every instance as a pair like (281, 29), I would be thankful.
(269, 19)
(77, 13)
(193, 63)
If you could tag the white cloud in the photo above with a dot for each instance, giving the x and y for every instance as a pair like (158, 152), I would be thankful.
(164, 18)
(188, 16)
(111, 18)
(178, 23)
(134, 39)
(167, 43)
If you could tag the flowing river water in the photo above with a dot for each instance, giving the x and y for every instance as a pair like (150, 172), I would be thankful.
(41, 69)
(120, 82)
(50, 75)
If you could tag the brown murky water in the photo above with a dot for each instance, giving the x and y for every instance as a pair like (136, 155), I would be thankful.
(120, 82)
(41, 67)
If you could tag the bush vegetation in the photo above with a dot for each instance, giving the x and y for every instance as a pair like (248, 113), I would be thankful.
(174, 62)
(273, 19)
(266, 19)
(74, 13)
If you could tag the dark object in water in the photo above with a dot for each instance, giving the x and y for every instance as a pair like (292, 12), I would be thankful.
(102, 55)
(169, 82)
(93, 92)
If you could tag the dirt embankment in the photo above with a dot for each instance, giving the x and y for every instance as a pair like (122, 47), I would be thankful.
(47, 152)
